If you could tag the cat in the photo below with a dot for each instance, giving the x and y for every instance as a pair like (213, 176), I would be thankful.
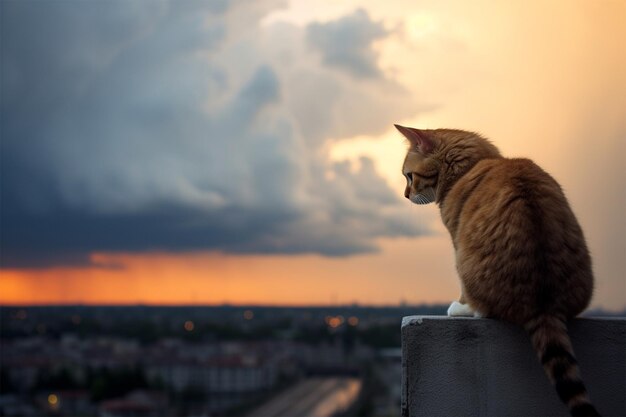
(520, 253)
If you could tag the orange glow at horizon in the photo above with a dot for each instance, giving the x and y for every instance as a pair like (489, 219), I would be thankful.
(212, 278)
(544, 81)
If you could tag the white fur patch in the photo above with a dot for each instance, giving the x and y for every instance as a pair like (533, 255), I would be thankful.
(457, 309)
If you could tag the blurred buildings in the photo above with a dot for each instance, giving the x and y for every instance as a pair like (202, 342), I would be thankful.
(157, 361)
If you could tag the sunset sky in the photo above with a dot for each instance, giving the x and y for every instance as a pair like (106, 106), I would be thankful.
(243, 152)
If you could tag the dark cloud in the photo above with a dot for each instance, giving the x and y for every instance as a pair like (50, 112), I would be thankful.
(347, 43)
(140, 126)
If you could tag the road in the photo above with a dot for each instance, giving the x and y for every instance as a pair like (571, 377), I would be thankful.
(313, 397)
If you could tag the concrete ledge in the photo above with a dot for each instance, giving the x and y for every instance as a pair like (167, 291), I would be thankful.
(480, 367)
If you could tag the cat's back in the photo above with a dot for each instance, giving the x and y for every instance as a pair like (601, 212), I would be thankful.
(514, 191)
(514, 225)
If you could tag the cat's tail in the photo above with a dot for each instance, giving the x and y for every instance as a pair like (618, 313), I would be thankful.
(550, 340)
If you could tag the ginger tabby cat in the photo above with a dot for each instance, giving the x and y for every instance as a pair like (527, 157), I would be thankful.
(520, 252)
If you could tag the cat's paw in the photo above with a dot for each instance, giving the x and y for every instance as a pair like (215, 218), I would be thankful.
(457, 309)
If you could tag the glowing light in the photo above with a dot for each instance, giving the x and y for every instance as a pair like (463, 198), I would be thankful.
(353, 321)
(248, 314)
(334, 322)
(189, 326)
(421, 25)
(53, 400)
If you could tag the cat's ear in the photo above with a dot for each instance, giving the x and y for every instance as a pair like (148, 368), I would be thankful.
(419, 139)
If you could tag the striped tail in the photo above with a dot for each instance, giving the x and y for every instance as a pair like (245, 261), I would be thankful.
(548, 335)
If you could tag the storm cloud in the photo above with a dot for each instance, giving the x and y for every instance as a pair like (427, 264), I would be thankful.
(139, 126)
(347, 43)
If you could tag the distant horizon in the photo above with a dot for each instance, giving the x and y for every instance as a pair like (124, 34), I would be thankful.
(236, 305)
(620, 312)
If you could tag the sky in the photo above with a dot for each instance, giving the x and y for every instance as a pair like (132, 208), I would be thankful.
(237, 152)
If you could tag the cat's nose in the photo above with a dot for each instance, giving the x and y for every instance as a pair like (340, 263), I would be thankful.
(406, 194)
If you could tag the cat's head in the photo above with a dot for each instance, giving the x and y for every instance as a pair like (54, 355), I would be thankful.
(437, 158)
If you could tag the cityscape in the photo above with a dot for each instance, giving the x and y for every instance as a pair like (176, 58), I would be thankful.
(202, 361)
